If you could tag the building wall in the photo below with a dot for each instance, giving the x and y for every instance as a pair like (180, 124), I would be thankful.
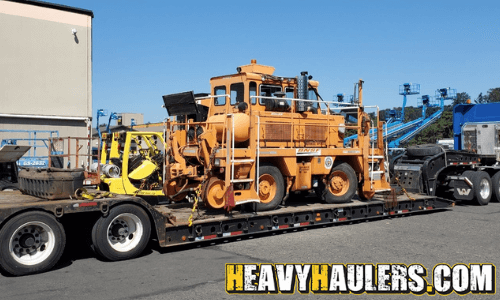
(126, 118)
(46, 70)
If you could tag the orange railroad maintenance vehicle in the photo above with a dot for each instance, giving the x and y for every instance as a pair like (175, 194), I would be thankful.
(241, 151)
(260, 137)
(256, 139)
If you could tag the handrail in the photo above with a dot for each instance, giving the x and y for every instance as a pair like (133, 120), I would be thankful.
(307, 100)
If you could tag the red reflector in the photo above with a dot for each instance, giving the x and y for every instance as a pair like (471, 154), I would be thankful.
(392, 212)
(405, 210)
(236, 232)
(342, 219)
(430, 207)
(283, 226)
(208, 237)
(88, 204)
(304, 223)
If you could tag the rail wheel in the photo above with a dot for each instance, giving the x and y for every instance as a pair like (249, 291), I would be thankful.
(122, 234)
(271, 187)
(340, 185)
(214, 194)
(31, 242)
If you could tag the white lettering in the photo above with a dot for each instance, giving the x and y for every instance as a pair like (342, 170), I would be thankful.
(417, 283)
(337, 279)
(266, 279)
(481, 278)
(460, 278)
(383, 277)
(441, 278)
(399, 281)
(249, 278)
(302, 276)
(355, 275)
(285, 278)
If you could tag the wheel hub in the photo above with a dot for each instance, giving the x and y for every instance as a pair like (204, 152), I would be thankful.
(337, 183)
(118, 230)
(264, 188)
(484, 188)
(27, 241)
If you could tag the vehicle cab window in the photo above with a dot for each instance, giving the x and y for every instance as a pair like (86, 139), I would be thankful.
(253, 92)
(220, 90)
(237, 93)
(268, 91)
(289, 93)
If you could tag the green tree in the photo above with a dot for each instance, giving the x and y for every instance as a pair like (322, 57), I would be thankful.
(461, 98)
(493, 95)
(442, 129)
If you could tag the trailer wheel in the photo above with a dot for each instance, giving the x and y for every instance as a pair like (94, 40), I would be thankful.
(481, 182)
(495, 183)
(340, 186)
(423, 150)
(271, 187)
(122, 234)
(31, 242)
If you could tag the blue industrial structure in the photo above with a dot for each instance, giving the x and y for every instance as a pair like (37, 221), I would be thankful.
(405, 89)
(411, 129)
(103, 113)
(36, 139)
(396, 131)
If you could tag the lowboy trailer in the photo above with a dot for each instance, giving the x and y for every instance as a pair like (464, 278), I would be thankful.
(33, 238)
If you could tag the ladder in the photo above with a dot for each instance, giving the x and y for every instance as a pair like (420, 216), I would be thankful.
(230, 157)
(381, 172)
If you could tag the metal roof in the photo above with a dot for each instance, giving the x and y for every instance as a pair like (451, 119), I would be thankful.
(56, 6)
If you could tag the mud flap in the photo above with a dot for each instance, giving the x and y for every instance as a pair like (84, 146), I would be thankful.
(230, 203)
(461, 190)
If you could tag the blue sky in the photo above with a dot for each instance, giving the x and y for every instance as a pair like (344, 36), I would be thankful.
(145, 49)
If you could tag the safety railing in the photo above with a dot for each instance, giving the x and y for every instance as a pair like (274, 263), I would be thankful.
(69, 152)
(37, 155)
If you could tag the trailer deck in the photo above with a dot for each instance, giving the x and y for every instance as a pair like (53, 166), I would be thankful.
(308, 212)
(172, 221)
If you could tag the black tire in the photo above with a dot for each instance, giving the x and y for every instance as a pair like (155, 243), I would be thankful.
(332, 192)
(31, 242)
(481, 183)
(272, 189)
(495, 183)
(122, 234)
(423, 150)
